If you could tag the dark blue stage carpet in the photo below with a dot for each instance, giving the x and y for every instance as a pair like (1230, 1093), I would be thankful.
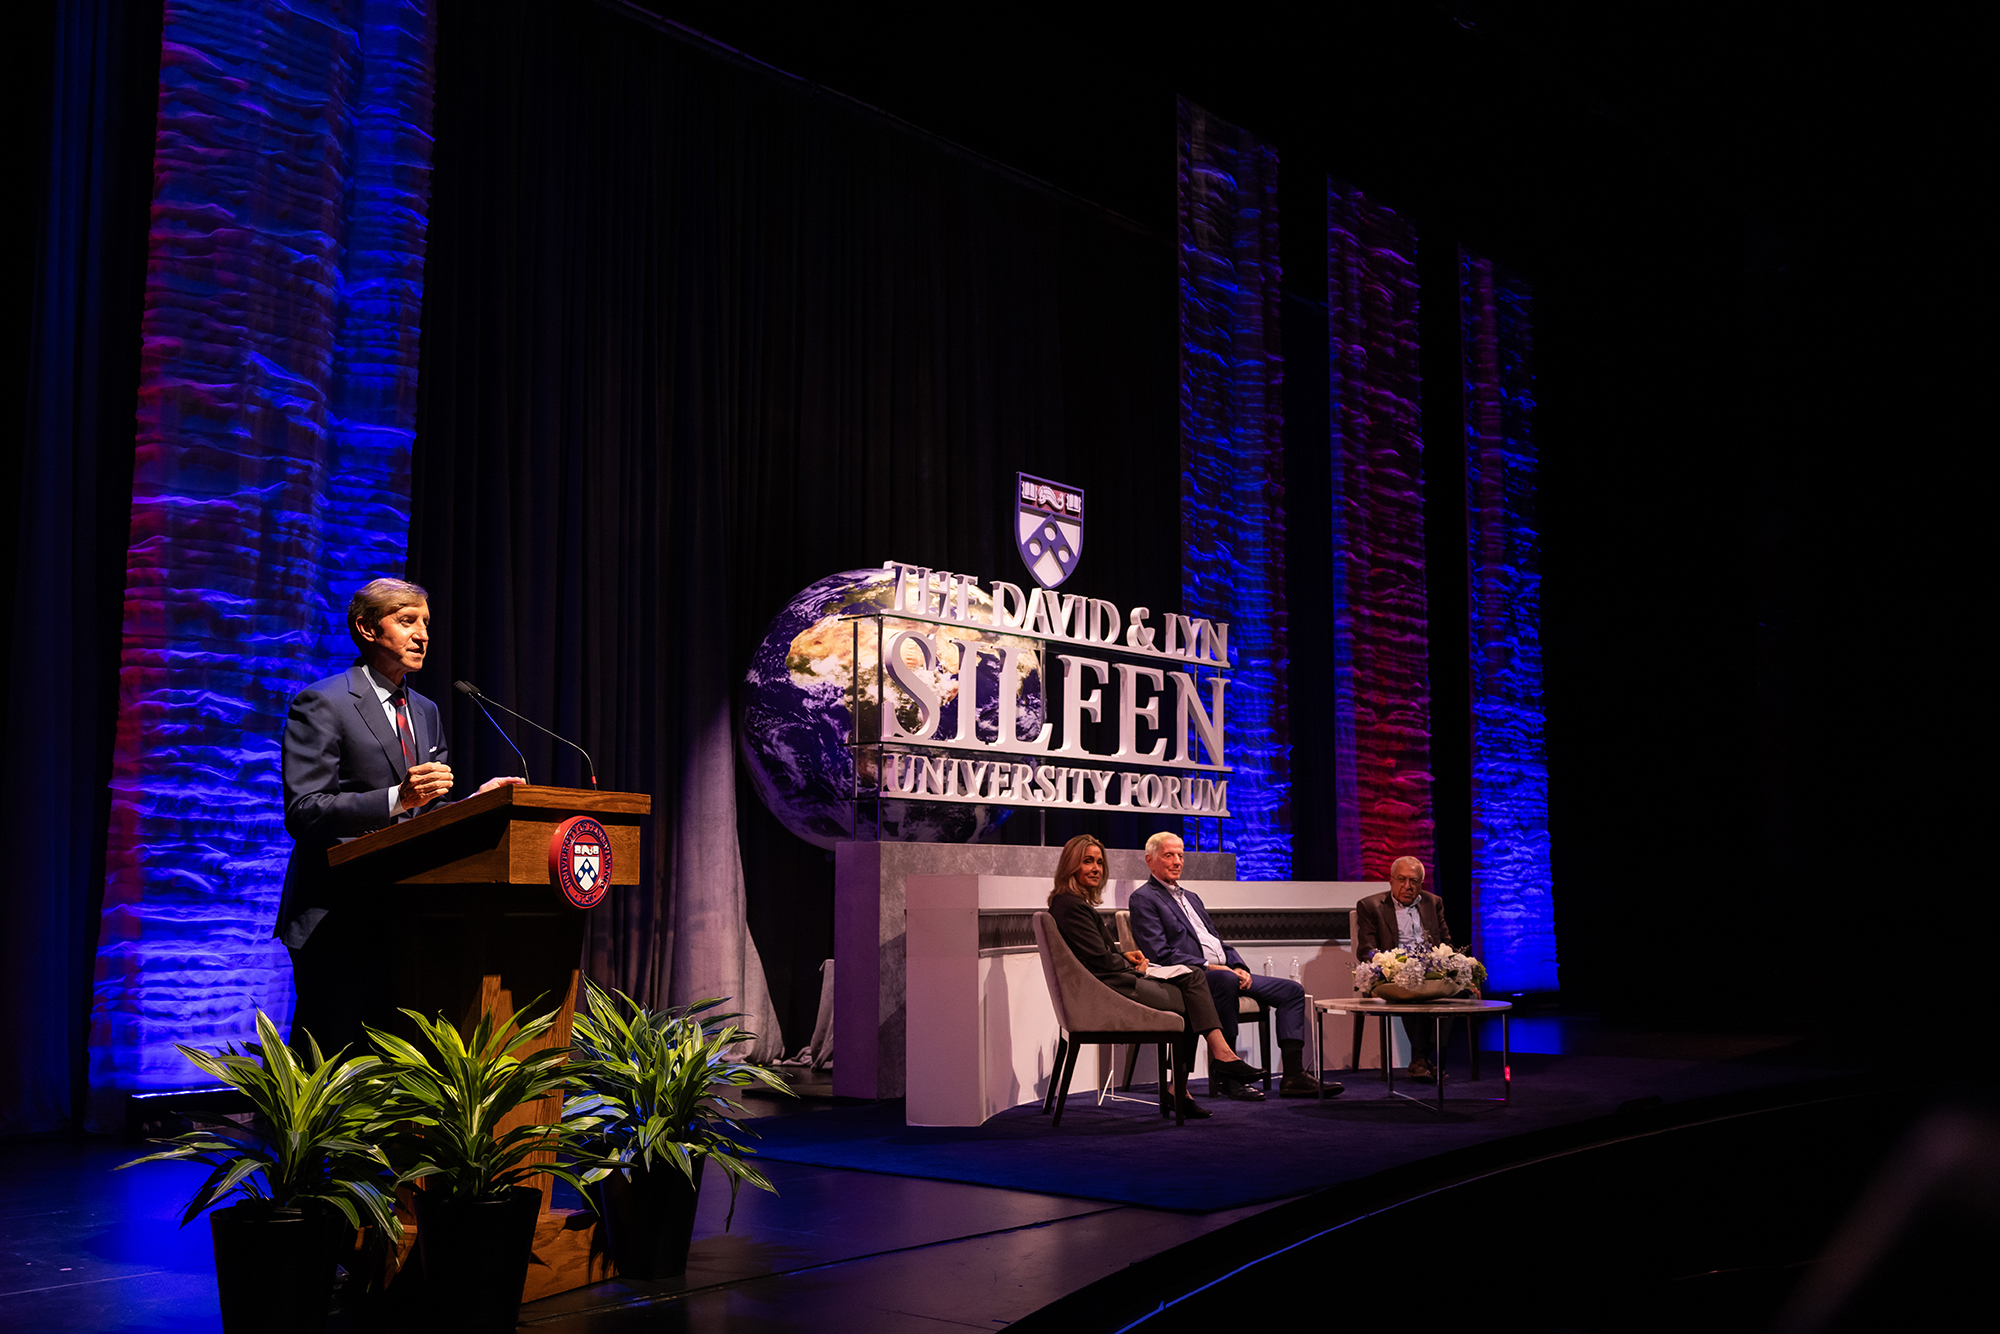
(1248, 1152)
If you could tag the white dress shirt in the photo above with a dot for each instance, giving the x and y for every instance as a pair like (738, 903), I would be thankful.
(1211, 947)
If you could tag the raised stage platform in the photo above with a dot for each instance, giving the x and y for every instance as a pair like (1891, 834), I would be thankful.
(886, 1227)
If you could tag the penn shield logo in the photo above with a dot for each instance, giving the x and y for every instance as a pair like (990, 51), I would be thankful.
(580, 860)
(1048, 528)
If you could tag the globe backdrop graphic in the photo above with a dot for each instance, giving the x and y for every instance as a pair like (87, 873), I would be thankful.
(796, 722)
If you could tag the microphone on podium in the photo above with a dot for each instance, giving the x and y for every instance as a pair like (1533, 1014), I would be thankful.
(473, 692)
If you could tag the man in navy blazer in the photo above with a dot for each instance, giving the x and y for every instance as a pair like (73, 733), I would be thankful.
(1171, 926)
(361, 751)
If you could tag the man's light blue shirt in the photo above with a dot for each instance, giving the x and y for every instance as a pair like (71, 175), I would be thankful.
(1409, 923)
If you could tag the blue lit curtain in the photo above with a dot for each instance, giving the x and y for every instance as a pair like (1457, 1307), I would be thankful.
(276, 413)
(1513, 913)
(1232, 462)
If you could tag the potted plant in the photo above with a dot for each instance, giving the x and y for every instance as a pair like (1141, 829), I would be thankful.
(302, 1166)
(476, 1213)
(651, 1082)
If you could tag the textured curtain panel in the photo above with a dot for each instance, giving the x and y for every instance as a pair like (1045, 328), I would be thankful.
(1232, 462)
(1512, 907)
(1381, 632)
(276, 408)
(695, 336)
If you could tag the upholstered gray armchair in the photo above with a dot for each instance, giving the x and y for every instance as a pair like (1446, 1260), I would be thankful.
(1088, 1012)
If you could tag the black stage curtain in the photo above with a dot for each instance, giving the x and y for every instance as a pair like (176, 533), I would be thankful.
(697, 334)
(88, 102)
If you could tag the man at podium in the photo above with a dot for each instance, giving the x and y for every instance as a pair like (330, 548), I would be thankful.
(362, 750)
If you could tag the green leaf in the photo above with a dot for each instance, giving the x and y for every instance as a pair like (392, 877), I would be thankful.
(652, 1079)
(311, 1133)
(443, 1099)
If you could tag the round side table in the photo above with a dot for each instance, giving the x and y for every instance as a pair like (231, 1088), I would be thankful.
(1437, 1012)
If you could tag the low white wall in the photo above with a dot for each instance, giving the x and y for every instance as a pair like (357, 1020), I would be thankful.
(980, 1030)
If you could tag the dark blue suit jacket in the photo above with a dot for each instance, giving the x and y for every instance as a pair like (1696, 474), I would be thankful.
(1164, 936)
(342, 758)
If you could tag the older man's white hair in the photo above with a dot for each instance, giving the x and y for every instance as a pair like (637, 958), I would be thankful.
(1159, 841)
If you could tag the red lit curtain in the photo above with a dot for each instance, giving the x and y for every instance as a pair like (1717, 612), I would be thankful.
(1381, 624)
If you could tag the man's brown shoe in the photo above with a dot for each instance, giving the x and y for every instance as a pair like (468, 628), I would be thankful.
(1302, 1086)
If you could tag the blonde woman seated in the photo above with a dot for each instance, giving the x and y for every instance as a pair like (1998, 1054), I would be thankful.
(1079, 887)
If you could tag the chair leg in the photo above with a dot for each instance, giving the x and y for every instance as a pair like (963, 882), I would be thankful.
(1179, 1060)
(1062, 1050)
(1131, 1066)
(1264, 1043)
(1166, 1079)
(1062, 1093)
(1355, 1059)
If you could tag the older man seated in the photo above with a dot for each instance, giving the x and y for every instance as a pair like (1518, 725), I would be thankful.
(1172, 927)
(1411, 917)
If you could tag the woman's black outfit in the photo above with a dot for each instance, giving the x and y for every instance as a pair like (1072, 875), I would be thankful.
(1089, 937)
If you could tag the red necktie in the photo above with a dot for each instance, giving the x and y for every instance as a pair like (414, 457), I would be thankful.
(403, 733)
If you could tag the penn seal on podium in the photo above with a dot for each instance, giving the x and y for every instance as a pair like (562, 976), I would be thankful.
(580, 860)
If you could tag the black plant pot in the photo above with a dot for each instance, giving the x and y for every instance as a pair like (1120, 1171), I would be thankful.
(273, 1268)
(649, 1220)
(475, 1255)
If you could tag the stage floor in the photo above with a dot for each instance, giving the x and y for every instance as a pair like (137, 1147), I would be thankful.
(1252, 1152)
(86, 1248)
(883, 1227)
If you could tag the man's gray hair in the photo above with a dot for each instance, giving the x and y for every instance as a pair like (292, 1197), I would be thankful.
(1160, 840)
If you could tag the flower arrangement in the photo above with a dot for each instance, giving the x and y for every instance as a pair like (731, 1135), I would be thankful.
(1408, 967)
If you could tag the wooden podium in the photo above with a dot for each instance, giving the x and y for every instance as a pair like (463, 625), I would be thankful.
(466, 897)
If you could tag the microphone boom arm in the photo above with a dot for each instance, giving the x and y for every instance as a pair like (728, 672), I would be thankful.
(503, 734)
(483, 699)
